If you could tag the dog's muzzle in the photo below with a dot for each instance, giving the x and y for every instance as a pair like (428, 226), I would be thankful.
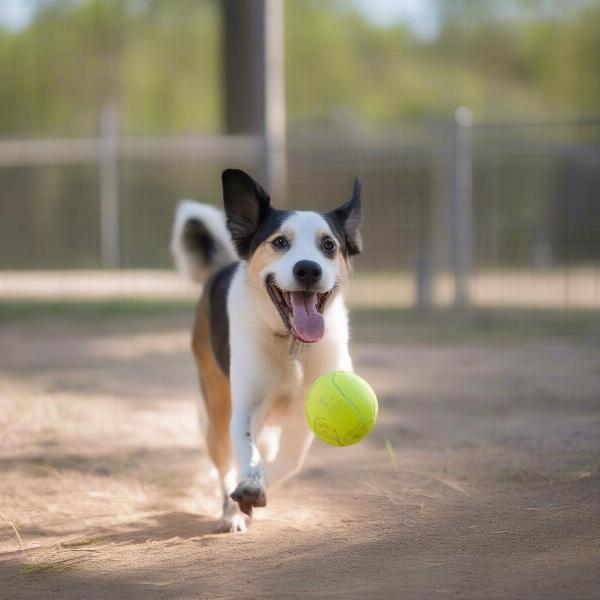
(300, 311)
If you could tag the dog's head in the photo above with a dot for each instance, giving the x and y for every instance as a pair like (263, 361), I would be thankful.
(298, 259)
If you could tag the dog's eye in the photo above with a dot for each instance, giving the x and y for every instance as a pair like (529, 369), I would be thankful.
(280, 243)
(328, 246)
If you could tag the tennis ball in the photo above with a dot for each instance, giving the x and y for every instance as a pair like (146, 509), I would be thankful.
(341, 408)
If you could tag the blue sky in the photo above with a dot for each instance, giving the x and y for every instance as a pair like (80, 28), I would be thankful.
(417, 14)
(15, 14)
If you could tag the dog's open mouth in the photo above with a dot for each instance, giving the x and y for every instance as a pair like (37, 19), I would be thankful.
(301, 312)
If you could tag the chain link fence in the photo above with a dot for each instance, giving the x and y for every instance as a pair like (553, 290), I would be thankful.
(491, 213)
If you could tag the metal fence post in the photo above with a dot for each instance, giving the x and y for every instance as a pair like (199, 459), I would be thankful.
(424, 263)
(461, 206)
(423, 279)
(109, 187)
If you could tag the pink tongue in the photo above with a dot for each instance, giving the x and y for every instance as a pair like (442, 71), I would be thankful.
(308, 322)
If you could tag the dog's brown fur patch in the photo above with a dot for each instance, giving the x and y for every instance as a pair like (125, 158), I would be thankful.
(263, 256)
(215, 389)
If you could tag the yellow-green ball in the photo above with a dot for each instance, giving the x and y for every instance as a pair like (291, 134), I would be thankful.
(341, 408)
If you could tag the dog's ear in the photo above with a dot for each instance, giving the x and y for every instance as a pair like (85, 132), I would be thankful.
(348, 219)
(246, 207)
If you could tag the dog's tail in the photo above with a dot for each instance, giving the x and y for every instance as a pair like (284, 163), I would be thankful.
(200, 242)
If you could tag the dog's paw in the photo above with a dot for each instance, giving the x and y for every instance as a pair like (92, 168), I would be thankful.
(230, 524)
(248, 494)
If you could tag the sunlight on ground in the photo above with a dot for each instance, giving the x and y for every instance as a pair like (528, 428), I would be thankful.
(549, 288)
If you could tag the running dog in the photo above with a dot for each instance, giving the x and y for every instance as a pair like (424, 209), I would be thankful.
(270, 320)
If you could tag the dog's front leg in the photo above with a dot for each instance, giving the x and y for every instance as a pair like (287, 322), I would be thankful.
(331, 354)
(251, 490)
(251, 384)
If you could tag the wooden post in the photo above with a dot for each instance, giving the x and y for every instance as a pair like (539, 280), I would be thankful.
(242, 51)
(274, 132)
(109, 188)
(461, 207)
(254, 83)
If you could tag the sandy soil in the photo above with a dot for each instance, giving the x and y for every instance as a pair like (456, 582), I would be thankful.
(481, 479)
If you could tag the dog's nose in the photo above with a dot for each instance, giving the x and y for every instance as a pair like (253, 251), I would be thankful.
(307, 272)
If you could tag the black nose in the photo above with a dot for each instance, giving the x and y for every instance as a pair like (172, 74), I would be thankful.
(307, 272)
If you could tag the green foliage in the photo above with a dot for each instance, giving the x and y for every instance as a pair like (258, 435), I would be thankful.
(161, 60)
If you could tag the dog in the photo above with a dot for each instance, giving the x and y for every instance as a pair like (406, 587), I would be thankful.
(270, 320)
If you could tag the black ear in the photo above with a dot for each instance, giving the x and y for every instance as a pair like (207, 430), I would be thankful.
(348, 219)
(246, 206)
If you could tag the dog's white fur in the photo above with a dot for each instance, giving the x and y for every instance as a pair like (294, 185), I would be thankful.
(262, 368)
(270, 439)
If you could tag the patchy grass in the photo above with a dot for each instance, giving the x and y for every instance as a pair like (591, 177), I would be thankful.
(368, 324)
(448, 326)
(13, 310)
(46, 566)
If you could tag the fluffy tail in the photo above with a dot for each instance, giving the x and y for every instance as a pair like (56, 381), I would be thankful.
(200, 242)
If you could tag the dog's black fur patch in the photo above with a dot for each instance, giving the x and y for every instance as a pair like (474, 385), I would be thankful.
(250, 217)
(198, 241)
(345, 221)
(218, 287)
(271, 223)
(247, 205)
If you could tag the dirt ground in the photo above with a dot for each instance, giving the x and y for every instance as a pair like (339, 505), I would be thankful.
(481, 479)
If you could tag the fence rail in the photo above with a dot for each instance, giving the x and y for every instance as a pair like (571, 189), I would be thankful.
(23, 153)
